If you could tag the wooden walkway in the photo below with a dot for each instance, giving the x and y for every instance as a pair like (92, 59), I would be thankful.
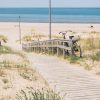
(78, 83)
(54, 46)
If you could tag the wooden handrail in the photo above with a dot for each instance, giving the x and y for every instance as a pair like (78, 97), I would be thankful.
(54, 43)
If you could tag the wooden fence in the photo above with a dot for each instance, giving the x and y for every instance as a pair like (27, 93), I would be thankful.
(54, 46)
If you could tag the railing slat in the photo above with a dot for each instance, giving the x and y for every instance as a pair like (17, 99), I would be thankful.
(42, 46)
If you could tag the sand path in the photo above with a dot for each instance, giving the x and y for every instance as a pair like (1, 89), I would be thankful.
(78, 83)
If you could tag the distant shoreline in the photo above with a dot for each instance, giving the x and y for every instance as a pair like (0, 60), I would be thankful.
(11, 29)
(51, 22)
(58, 15)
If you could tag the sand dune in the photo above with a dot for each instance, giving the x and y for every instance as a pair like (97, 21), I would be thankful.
(11, 30)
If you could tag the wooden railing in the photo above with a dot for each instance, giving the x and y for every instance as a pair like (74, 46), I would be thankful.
(49, 46)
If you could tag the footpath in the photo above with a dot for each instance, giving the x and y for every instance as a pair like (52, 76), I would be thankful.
(74, 81)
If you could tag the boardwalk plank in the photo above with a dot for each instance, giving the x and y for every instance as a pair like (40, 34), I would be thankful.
(78, 83)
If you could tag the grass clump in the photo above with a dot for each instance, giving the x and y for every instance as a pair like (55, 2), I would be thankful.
(95, 57)
(2, 73)
(5, 50)
(5, 81)
(3, 39)
(73, 59)
(98, 56)
(28, 74)
(32, 94)
(9, 50)
(90, 44)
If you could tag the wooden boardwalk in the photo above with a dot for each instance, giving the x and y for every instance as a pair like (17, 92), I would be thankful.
(55, 46)
(76, 82)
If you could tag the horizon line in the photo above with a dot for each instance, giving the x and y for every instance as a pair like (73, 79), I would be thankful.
(48, 7)
(51, 8)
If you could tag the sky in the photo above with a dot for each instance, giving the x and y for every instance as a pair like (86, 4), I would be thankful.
(44, 3)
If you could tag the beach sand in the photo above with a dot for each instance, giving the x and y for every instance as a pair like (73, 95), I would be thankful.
(12, 29)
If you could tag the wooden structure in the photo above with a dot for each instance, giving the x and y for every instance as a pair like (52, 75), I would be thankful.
(54, 46)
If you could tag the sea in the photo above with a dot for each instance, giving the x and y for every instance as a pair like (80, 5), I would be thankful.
(58, 15)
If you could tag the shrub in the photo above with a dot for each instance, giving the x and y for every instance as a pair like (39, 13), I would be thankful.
(3, 39)
(5, 49)
(32, 94)
(2, 73)
(5, 81)
(28, 74)
(95, 57)
(73, 59)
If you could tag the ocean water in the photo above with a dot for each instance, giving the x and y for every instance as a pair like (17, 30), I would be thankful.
(58, 15)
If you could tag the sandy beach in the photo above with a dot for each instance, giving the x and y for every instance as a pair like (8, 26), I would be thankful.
(11, 30)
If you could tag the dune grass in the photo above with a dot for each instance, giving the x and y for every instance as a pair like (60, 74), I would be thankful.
(90, 44)
(5, 50)
(9, 50)
(32, 94)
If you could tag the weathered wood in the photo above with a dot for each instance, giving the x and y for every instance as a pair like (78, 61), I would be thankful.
(48, 46)
(57, 48)
(63, 50)
(52, 49)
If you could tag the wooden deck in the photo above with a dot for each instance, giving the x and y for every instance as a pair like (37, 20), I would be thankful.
(75, 82)
(72, 80)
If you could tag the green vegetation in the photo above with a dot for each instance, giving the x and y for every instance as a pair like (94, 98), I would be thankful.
(8, 50)
(11, 64)
(23, 67)
(5, 81)
(31, 94)
(3, 39)
(28, 74)
(2, 73)
(90, 44)
(27, 38)
(73, 59)
(5, 50)
(95, 57)
(37, 35)
(31, 37)
(57, 37)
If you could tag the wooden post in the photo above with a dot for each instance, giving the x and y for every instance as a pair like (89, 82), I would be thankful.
(57, 48)
(52, 47)
(41, 47)
(45, 47)
(71, 45)
(64, 50)
(33, 49)
(38, 47)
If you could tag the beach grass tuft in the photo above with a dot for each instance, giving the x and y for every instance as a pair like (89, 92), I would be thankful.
(32, 94)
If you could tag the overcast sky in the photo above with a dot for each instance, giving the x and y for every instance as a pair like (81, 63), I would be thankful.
(44, 3)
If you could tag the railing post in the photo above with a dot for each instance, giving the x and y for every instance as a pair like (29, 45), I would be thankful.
(57, 48)
(35, 48)
(41, 47)
(38, 47)
(52, 47)
(63, 50)
(71, 45)
(45, 46)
